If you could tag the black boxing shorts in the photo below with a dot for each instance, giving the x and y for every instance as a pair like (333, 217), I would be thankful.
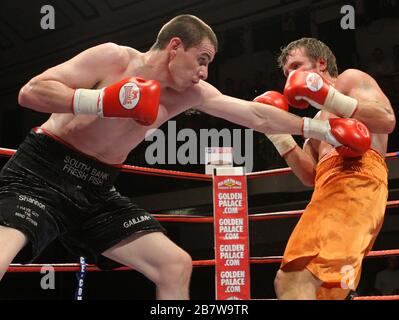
(50, 190)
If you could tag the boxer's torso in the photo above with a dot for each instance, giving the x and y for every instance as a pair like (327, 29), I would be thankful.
(111, 139)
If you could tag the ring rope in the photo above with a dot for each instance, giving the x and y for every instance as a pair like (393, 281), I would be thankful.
(391, 297)
(163, 173)
(6, 152)
(194, 176)
(73, 267)
(252, 217)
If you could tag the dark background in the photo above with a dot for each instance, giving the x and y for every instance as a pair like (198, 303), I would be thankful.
(250, 35)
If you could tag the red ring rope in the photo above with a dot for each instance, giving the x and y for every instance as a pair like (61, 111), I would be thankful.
(194, 176)
(73, 267)
(252, 217)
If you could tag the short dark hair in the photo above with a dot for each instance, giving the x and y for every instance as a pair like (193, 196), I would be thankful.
(315, 49)
(190, 29)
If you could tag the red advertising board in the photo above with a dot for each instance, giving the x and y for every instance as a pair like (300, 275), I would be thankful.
(231, 237)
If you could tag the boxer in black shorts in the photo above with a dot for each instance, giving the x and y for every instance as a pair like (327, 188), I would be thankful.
(50, 190)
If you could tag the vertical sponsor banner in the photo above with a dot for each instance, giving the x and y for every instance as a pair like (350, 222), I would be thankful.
(231, 237)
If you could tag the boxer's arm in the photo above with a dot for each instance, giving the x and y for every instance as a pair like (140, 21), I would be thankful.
(303, 163)
(254, 115)
(350, 135)
(374, 108)
(52, 91)
(286, 146)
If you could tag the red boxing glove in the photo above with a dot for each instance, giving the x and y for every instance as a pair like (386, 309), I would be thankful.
(284, 143)
(303, 88)
(350, 137)
(273, 98)
(352, 134)
(134, 98)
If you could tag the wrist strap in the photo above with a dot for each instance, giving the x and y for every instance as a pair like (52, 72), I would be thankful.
(340, 104)
(87, 101)
(284, 143)
(320, 130)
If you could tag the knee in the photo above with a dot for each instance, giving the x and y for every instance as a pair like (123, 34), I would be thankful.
(11, 242)
(176, 269)
(280, 280)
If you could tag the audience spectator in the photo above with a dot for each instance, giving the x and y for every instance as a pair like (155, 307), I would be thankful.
(277, 81)
(355, 61)
(230, 87)
(395, 58)
(259, 84)
(379, 66)
(244, 91)
(388, 8)
(387, 280)
(386, 85)
(395, 89)
(288, 24)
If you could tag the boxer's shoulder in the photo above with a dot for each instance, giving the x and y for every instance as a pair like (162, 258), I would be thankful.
(352, 77)
(112, 53)
(129, 52)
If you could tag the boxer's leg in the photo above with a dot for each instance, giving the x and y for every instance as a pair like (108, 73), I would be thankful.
(159, 259)
(11, 242)
(295, 282)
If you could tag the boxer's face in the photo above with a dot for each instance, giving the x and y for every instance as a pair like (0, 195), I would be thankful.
(298, 60)
(188, 67)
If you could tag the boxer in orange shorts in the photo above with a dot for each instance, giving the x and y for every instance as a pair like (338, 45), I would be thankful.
(324, 254)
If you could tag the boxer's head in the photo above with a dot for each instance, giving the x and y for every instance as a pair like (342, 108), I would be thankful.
(308, 54)
(189, 29)
(189, 46)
